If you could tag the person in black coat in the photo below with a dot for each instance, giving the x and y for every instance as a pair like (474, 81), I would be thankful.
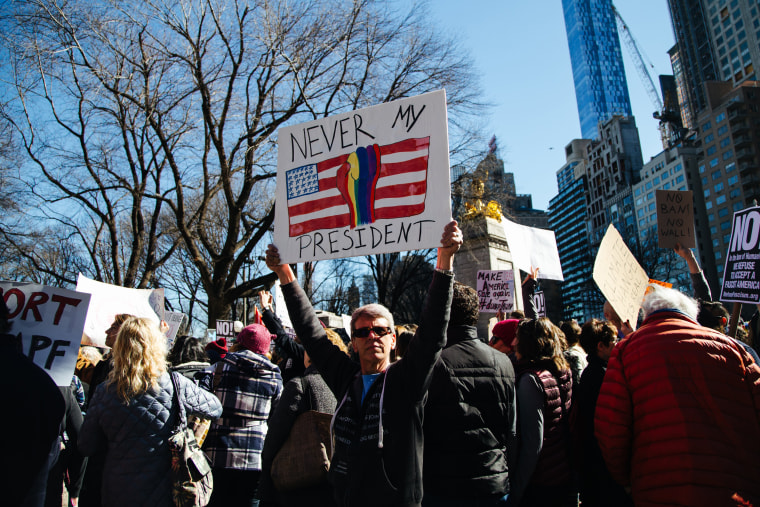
(470, 417)
(597, 487)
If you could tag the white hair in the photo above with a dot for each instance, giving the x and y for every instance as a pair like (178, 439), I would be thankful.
(663, 298)
(372, 311)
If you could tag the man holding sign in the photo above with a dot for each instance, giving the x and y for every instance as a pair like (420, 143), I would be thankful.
(377, 459)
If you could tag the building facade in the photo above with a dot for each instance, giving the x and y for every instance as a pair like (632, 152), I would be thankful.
(601, 89)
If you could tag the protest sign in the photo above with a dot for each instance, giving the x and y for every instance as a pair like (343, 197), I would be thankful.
(496, 290)
(49, 322)
(369, 181)
(225, 329)
(741, 275)
(533, 248)
(280, 308)
(675, 218)
(619, 276)
(175, 320)
(540, 302)
(110, 300)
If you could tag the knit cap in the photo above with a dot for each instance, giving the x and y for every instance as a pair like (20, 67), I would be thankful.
(217, 349)
(504, 334)
(255, 338)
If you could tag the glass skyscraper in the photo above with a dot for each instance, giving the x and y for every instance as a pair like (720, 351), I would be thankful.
(601, 89)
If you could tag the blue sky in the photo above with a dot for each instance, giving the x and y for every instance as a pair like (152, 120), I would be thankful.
(520, 50)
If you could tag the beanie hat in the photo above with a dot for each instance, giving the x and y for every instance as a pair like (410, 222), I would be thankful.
(504, 334)
(255, 338)
(217, 349)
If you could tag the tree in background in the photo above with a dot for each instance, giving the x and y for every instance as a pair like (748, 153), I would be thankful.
(148, 128)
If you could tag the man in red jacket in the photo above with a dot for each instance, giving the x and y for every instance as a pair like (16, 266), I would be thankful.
(678, 415)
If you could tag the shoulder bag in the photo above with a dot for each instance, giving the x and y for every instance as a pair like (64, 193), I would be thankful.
(304, 459)
(192, 481)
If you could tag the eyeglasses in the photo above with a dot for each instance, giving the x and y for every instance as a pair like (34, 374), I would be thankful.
(363, 332)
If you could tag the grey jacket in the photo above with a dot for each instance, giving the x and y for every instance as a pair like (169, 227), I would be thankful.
(136, 470)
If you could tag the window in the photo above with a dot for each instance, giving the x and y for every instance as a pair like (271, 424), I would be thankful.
(718, 187)
(734, 193)
(710, 217)
(733, 180)
(722, 212)
(722, 130)
(711, 150)
(656, 181)
(716, 175)
(709, 138)
(716, 243)
(724, 226)
(679, 178)
(708, 204)
(701, 168)
(650, 196)
(730, 167)
(720, 117)
(704, 181)
(651, 206)
(728, 154)
(717, 255)
(714, 162)
(682, 188)
(707, 126)
(649, 185)
(666, 186)
(639, 201)
(738, 206)
(707, 193)
(642, 223)
(637, 192)
(640, 212)
(720, 199)
(726, 238)
(725, 142)
(676, 169)
(713, 230)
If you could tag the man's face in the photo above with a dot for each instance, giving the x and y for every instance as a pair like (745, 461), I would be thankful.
(374, 350)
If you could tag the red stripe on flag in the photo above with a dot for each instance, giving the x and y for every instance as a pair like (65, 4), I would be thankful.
(406, 145)
(399, 211)
(332, 222)
(318, 204)
(402, 190)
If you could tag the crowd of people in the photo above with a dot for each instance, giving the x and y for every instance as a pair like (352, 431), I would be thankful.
(600, 413)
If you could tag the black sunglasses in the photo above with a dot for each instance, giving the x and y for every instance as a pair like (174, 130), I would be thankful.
(363, 332)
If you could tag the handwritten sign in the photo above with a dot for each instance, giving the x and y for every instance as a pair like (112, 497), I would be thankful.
(49, 322)
(175, 321)
(110, 300)
(533, 248)
(370, 181)
(496, 290)
(619, 276)
(225, 329)
(741, 276)
(675, 218)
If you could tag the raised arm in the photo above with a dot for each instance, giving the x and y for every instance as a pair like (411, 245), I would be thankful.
(283, 342)
(698, 281)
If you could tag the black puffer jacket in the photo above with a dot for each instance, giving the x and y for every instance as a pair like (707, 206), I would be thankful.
(470, 419)
(136, 470)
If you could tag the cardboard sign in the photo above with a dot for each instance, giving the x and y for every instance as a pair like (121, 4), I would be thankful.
(110, 300)
(175, 321)
(540, 301)
(675, 218)
(280, 308)
(225, 329)
(370, 181)
(533, 248)
(49, 322)
(619, 276)
(741, 276)
(496, 291)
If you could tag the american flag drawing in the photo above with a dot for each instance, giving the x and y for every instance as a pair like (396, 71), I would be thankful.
(369, 184)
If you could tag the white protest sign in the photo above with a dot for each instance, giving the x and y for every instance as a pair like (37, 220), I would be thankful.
(280, 308)
(533, 248)
(619, 276)
(174, 320)
(741, 276)
(369, 181)
(49, 322)
(540, 302)
(347, 324)
(110, 300)
(496, 290)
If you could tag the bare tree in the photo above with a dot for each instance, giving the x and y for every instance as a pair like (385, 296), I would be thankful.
(149, 127)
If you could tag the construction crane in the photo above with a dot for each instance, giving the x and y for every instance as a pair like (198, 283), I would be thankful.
(646, 78)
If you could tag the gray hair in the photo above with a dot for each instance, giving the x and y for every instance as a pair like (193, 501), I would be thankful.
(663, 298)
(373, 311)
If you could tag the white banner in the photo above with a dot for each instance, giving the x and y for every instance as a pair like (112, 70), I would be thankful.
(49, 321)
(533, 248)
(369, 181)
(110, 300)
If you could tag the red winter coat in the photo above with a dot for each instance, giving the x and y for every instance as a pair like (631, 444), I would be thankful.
(678, 416)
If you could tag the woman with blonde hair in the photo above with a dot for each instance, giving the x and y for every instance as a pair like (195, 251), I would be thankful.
(133, 413)
(542, 475)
